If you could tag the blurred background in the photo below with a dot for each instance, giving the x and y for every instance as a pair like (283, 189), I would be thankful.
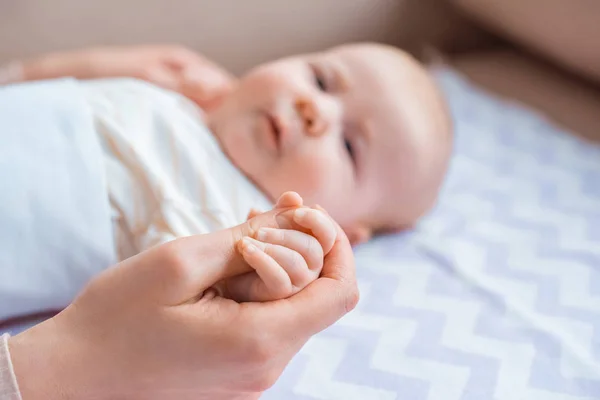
(545, 53)
(517, 281)
(236, 33)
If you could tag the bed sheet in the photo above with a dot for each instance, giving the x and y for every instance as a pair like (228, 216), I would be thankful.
(496, 295)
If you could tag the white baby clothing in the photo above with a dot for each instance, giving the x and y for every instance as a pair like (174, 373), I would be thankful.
(96, 171)
(166, 174)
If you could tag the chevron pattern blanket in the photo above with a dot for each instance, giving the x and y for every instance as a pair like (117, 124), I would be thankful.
(496, 295)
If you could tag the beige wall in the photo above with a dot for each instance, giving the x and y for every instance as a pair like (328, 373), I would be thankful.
(566, 32)
(238, 33)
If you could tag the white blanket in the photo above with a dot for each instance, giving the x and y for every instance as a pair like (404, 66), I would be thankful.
(52, 196)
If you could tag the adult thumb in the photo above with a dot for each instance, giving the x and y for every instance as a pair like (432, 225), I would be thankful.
(181, 270)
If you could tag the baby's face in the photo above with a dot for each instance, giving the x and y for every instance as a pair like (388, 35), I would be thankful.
(360, 130)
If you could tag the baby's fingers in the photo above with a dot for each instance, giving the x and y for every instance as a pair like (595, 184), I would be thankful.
(302, 243)
(321, 226)
(289, 199)
(291, 262)
(275, 279)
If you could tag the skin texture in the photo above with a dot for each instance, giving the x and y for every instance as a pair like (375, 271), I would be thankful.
(361, 130)
(152, 327)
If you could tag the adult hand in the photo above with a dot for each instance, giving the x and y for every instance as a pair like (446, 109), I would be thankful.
(149, 329)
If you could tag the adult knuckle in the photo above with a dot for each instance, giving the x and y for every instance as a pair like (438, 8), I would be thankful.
(260, 351)
(258, 346)
(174, 260)
(264, 380)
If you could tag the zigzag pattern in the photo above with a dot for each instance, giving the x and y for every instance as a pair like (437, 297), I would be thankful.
(496, 295)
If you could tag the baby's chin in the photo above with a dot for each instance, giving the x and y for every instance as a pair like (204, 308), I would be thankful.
(227, 145)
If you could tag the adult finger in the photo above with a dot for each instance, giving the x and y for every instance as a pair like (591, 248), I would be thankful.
(183, 269)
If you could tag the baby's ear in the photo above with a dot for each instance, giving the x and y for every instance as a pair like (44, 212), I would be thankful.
(358, 234)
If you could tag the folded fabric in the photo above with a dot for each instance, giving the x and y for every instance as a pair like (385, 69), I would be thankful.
(55, 225)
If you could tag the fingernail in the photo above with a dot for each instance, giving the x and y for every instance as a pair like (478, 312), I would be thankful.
(248, 246)
(318, 207)
(300, 213)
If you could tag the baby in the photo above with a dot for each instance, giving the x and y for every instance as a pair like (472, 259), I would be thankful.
(361, 130)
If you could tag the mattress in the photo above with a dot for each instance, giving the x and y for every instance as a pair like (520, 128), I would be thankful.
(496, 295)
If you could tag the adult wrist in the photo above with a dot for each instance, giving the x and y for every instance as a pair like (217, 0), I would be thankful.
(41, 364)
(9, 389)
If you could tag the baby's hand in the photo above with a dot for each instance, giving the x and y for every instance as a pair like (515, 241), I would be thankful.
(286, 258)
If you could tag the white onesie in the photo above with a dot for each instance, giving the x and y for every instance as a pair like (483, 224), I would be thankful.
(98, 171)
(166, 174)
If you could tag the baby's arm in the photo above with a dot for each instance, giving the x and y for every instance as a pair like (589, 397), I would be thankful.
(284, 260)
(171, 67)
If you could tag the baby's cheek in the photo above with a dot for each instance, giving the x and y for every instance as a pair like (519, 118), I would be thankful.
(316, 178)
(333, 189)
(266, 82)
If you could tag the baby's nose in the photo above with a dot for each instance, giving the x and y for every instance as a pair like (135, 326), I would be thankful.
(314, 123)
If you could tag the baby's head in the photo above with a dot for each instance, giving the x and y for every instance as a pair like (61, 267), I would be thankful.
(361, 130)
